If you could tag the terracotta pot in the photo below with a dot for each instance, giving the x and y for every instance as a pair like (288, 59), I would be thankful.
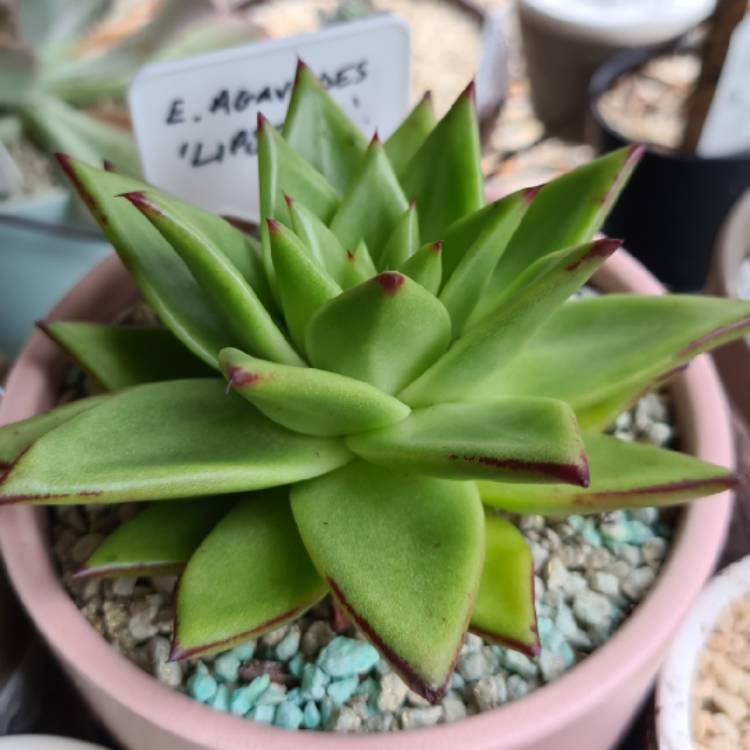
(732, 247)
(585, 710)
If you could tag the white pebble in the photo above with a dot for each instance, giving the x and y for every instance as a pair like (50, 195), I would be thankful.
(593, 609)
(636, 584)
(413, 718)
(393, 692)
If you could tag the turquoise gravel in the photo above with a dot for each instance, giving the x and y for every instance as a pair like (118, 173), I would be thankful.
(590, 573)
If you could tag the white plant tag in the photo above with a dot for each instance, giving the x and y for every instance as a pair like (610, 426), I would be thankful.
(195, 119)
(727, 127)
(11, 179)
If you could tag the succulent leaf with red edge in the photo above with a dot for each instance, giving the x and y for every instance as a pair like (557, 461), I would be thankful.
(394, 353)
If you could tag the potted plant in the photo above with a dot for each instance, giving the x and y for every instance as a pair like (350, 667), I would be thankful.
(373, 386)
(663, 98)
(54, 83)
(565, 42)
(730, 277)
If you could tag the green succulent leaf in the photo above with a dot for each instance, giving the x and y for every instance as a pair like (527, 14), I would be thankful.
(403, 556)
(320, 131)
(162, 276)
(403, 241)
(18, 72)
(157, 541)
(260, 589)
(425, 266)
(504, 610)
(232, 296)
(598, 354)
(358, 266)
(56, 126)
(51, 24)
(475, 245)
(408, 138)
(121, 356)
(521, 440)
(283, 172)
(323, 246)
(384, 331)
(372, 204)
(566, 212)
(445, 176)
(207, 34)
(623, 475)
(488, 346)
(314, 402)
(88, 79)
(181, 438)
(15, 438)
(304, 286)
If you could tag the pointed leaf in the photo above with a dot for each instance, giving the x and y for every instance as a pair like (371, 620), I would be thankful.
(322, 243)
(488, 346)
(485, 238)
(403, 556)
(425, 266)
(373, 203)
(504, 610)
(445, 176)
(56, 126)
(266, 578)
(358, 266)
(403, 242)
(161, 275)
(319, 130)
(411, 134)
(157, 541)
(521, 440)
(623, 475)
(182, 438)
(231, 295)
(566, 212)
(606, 350)
(282, 171)
(18, 72)
(121, 356)
(15, 438)
(314, 402)
(304, 287)
(384, 331)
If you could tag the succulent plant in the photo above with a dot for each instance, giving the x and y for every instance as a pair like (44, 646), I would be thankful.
(400, 363)
(46, 76)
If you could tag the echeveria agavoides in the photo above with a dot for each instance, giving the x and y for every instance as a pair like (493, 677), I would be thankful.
(340, 398)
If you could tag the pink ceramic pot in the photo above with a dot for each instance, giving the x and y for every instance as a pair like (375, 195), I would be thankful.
(585, 710)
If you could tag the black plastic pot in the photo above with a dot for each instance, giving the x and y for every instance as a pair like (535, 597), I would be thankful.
(671, 211)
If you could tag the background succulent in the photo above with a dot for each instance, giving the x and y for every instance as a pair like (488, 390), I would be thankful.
(398, 361)
(48, 76)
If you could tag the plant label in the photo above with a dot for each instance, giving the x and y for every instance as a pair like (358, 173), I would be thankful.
(195, 119)
(727, 127)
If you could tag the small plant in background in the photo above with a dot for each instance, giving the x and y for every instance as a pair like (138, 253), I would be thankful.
(48, 77)
(398, 362)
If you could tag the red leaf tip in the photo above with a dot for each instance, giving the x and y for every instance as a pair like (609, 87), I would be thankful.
(390, 281)
(470, 92)
(273, 226)
(288, 200)
(531, 192)
(635, 153)
(427, 97)
(109, 166)
(262, 121)
(436, 247)
(375, 140)
(239, 378)
(140, 200)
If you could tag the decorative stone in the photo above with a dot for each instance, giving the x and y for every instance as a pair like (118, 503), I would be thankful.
(413, 718)
(344, 657)
(592, 609)
(392, 693)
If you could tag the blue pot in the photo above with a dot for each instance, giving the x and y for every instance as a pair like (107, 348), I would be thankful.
(37, 264)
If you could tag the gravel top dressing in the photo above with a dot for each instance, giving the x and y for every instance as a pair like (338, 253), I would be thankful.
(318, 674)
(721, 691)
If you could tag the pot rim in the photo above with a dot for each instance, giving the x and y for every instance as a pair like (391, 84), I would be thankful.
(702, 414)
(625, 62)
